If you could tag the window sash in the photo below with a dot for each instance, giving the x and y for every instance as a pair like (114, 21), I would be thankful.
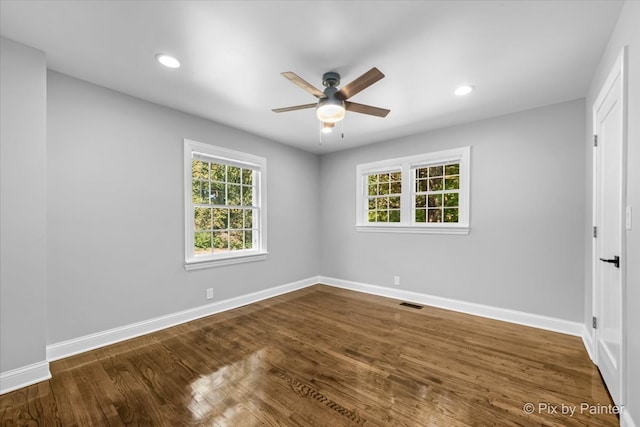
(442, 208)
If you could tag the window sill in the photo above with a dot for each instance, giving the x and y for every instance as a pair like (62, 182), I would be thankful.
(415, 229)
(222, 261)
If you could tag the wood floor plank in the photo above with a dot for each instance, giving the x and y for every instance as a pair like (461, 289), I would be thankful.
(323, 356)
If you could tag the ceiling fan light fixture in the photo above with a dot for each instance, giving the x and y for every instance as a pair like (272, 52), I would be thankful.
(167, 60)
(326, 127)
(330, 110)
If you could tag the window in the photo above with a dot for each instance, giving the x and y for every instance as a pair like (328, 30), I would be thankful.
(225, 207)
(426, 193)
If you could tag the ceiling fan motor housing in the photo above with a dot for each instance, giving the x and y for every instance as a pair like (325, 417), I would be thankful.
(331, 79)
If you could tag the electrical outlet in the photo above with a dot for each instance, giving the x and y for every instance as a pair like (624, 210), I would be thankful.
(396, 280)
(210, 293)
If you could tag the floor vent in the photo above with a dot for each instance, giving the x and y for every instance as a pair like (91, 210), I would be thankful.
(408, 304)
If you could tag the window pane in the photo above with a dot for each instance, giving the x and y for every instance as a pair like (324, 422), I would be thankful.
(451, 215)
(203, 191)
(202, 243)
(394, 202)
(421, 201)
(435, 184)
(220, 219)
(202, 218)
(396, 176)
(372, 179)
(372, 203)
(394, 216)
(383, 188)
(396, 187)
(233, 195)
(382, 216)
(247, 176)
(371, 217)
(421, 215)
(220, 241)
(383, 177)
(436, 171)
(383, 202)
(248, 218)
(217, 194)
(435, 200)
(247, 195)
(199, 169)
(422, 172)
(235, 218)
(248, 239)
(435, 215)
(233, 174)
(196, 193)
(452, 183)
(452, 169)
(236, 240)
(373, 190)
(421, 185)
(217, 172)
(451, 199)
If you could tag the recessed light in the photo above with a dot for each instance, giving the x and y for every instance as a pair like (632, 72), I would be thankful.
(167, 60)
(464, 90)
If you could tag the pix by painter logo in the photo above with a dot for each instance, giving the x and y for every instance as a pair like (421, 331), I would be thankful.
(564, 409)
(549, 408)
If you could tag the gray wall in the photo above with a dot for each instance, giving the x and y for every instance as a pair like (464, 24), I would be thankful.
(115, 211)
(23, 176)
(626, 33)
(525, 248)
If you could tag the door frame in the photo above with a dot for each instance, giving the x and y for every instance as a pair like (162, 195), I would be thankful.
(619, 67)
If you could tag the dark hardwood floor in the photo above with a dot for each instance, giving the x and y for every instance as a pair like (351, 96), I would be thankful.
(323, 357)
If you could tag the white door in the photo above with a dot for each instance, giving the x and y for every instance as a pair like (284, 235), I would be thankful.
(609, 128)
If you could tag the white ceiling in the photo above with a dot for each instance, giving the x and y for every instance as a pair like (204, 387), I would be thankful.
(518, 54)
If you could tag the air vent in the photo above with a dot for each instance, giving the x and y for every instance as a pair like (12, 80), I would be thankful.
(408, 304)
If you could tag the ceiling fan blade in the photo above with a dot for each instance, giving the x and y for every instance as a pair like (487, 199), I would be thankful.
(295, 107)
(294, 78)
(366, 109)
(359, 84)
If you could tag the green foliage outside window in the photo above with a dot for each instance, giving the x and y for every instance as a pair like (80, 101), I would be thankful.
(384, 196)
(223, 197)
(437, 193)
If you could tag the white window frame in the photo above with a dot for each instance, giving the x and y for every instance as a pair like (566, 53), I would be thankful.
(408, 166)
(227, 156)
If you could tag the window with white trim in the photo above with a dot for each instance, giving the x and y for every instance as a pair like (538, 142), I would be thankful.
(225, 206)
(425, 193)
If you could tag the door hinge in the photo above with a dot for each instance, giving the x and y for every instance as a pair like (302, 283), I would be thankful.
(595, 231)
(595, 140)
(594, 322)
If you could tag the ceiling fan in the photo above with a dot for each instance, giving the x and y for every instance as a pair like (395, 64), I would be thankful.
(332, 103)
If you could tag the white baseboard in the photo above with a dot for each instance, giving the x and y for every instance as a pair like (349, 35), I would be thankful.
(587, 340)
(512, 316)
(626, 420)
(24, 376)
(100, 339)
